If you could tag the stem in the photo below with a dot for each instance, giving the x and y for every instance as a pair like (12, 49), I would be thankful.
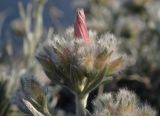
(81, 103)
(100, 90)
(79, 109)
(83, 100)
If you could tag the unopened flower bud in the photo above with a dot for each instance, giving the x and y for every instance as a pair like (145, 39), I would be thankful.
(80, 28)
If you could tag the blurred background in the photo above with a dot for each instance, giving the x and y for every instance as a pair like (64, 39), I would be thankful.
(24, 24)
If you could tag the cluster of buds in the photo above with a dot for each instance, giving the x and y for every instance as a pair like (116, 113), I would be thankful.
(80, 59)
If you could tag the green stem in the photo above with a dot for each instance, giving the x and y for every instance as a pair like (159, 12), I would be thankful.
(83, 100)
(80, 110)
(81, 103)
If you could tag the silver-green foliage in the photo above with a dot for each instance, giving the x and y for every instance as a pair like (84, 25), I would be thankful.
(123, 103)
(69, 61)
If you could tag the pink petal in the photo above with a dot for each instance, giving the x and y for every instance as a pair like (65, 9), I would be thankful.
(80, 28)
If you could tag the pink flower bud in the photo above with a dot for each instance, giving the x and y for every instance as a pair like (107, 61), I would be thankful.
(80, 28)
